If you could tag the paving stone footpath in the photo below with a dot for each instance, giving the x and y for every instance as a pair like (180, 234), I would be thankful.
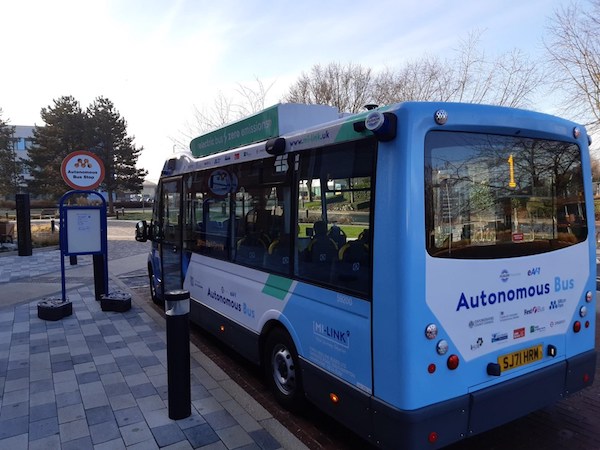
(98, 380)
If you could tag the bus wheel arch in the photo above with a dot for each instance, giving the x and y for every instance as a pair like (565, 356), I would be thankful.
(281, 366)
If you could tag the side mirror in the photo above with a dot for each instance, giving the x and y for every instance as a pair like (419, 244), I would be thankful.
(141, 231)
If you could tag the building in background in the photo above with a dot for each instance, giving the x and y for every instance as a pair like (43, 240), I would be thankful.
(22, 141)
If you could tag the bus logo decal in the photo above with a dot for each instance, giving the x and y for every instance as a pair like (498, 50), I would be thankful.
(477, 344)
(482, 321)
(331, 334)
(224, 299)
(499, 337)
(556, 304)
(508, 316)
(536, 329)
(519, 333)
(483, 299)
(534, 310)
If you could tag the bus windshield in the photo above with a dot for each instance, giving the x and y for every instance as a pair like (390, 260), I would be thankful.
(492, 196)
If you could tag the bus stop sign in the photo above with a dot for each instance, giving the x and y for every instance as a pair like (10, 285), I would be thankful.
(82, 170)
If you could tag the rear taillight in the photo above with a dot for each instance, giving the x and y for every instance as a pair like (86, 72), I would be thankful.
(452, 362)
(433, 437)
(586, 378)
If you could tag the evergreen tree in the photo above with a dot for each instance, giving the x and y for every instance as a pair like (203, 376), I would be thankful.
(101, 130)
(108, 133)
(65, 131)
(10, 167)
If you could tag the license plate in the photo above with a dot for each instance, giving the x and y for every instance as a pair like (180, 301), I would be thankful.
(521, 357)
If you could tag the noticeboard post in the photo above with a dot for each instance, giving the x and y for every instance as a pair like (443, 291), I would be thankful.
(83, 229)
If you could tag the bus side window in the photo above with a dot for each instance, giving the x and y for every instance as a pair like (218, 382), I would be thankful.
(216, 236)
(333, 243)
(206, 227)
(262, 205)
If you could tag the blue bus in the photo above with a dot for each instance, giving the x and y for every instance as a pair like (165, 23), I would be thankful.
(422, 272)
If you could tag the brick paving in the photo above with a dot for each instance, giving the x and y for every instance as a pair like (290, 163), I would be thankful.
(98, 380)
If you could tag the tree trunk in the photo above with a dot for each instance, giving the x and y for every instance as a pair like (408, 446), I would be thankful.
(111, 203)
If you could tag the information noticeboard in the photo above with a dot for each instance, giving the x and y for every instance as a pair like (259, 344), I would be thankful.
(84, 230)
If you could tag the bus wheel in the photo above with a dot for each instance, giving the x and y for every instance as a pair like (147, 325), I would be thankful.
(283, 371)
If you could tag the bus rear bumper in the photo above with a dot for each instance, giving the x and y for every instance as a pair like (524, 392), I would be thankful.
(471, 414)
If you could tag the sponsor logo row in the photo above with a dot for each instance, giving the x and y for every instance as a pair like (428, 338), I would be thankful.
(517, 333)
(507, 316)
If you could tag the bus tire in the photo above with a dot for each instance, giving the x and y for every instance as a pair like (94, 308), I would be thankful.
(153, 294)
(283, 371)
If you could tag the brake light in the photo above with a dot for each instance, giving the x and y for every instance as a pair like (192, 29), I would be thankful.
(433, 437)
(452, 362)
(577, 326)
(431, 368)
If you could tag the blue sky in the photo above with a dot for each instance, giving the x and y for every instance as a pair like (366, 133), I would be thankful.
(157, 60)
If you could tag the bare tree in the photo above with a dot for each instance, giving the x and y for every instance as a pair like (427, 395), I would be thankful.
(595, 162)
(469, 76)
(574, 54)
(246, 100)
(347, 87)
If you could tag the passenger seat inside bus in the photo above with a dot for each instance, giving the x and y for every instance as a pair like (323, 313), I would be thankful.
(320, 255)
(354, 262)
(278, 255)
(251, 250)
(337, 235)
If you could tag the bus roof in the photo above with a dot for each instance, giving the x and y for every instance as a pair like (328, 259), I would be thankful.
(299, 127)
(272, 122)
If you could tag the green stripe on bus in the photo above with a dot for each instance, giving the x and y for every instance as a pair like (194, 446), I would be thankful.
(277, 287)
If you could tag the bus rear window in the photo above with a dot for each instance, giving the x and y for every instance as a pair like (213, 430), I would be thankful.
(490, 196)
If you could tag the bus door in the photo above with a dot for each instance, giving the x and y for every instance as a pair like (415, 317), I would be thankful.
(170, 218)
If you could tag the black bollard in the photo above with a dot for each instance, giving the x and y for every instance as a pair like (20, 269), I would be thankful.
(99, 280)
(25, 246)
(177, 309)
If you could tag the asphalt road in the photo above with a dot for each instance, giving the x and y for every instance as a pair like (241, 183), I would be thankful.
(569, 424)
